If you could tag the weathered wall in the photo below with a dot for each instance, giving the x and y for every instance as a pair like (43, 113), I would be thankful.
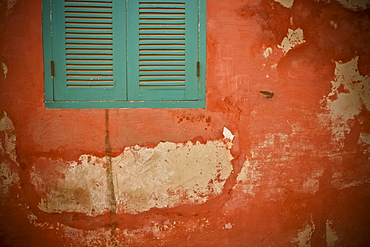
(291, 170)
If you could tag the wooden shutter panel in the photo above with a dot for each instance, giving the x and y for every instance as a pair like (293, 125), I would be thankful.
(163, 50)
(89, 50)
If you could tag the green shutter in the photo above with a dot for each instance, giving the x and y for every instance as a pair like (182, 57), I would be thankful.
(163, 50)
(89, 50)
(124, 54)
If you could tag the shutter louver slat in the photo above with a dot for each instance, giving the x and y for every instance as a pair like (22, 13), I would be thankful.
(161, 44)
(89, 43)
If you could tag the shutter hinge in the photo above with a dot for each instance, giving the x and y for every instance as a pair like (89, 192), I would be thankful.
(52, 69)
(198, 69)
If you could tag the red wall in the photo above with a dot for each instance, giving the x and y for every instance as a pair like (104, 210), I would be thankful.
(300, 159)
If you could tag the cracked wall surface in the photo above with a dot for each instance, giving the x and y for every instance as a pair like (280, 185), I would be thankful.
(165, 176)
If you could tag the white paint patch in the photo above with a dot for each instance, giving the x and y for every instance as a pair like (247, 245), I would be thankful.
(267, 52)
(351, 91)
(4, 68)
(331, 236)
(227, 134)
(356, 5)
(167, 175)
(294, 37)
(286, 3)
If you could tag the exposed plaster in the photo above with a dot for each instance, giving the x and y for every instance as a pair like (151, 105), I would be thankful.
(267, 52)
(81, 187)
(304, 236)
(294, 37)
(170, 174)
(167, 175)
(6, 125)
(349, 93)
(7, 178)
(355, 4)
(286, 3)
(4, 69)
(7, 154)
(331, 235)
(333, 24)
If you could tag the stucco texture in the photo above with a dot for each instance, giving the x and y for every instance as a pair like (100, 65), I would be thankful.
(251, 169)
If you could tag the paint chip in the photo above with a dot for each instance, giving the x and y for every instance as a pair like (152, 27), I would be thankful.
(227, 134)
(294, 38)
(356, 5)
(352, 92)
(228, 226)
(267, 52)
(286, 3)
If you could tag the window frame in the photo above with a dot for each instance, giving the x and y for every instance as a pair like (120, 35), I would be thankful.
(49, 85)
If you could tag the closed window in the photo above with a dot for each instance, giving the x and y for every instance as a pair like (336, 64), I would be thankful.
(124, 54)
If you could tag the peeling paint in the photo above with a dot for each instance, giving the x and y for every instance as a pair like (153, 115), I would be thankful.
(7, 126)
(294, 37)
(267, 52)
(170, 174)
(7, 154)
(355, 4)
(81, 187)
(227, 134)
(304, 236)
(167, 175)
(331, 236)
(333, 24)
(7, 178)
(286, 3)
(4, 69)
(228, 226)
(350, 91)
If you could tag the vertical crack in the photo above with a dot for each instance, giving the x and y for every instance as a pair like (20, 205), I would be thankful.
(110, 184)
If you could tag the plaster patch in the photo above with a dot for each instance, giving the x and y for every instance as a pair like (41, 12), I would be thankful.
(167, 175)
(170, 174)
(331, 236)
(333, 24)
(267, 52)
(8, 154)
(4, 69)
(7, 178)
(80, 187)
(304, 236)
(294, 37)
(6, 126)
(352, 92)
(228, 226)
(355, 4)
(286, 3)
